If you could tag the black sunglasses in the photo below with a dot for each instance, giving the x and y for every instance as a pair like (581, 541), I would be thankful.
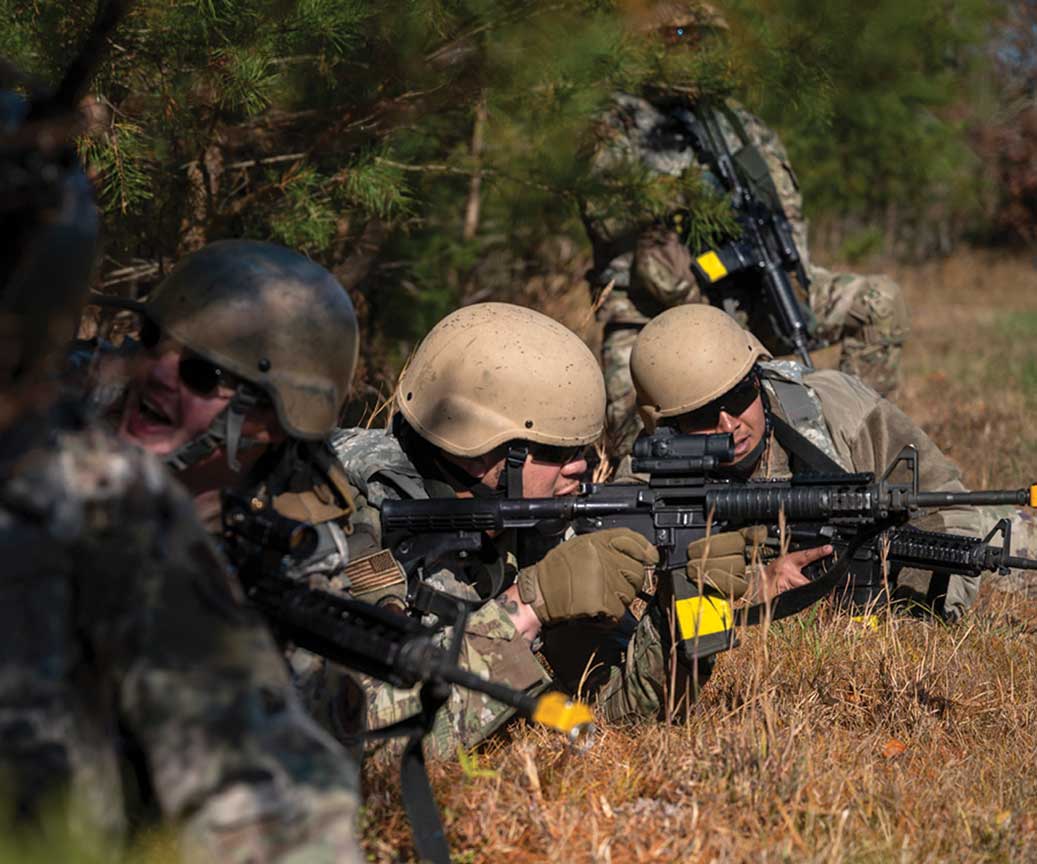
(734, 402)
(552, 454)
(200, 376)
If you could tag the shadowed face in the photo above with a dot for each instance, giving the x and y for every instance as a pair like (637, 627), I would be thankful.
(738, 412)
(548, 471)
(174, 395)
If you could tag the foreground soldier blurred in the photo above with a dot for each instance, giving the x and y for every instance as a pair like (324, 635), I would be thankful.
(696, 369)
(650, 268)
(132, 683)
(245, 359)
(498, 401)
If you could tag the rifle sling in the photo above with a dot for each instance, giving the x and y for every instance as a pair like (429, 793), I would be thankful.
(419, 802)
(804, 457)
(796, 600)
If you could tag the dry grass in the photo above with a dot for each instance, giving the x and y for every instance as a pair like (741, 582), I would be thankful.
(820, 740)
(970, 367)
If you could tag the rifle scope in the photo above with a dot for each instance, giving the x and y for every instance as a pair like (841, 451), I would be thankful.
(668, 453)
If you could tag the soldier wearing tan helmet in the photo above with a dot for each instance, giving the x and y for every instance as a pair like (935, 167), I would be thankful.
(499, 400)
(642, 257)
(694, 368)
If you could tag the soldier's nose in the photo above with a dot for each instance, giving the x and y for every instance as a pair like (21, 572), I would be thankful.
(727, 423)
(164, 371)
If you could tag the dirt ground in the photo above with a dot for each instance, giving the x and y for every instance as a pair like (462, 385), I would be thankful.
(820, 739)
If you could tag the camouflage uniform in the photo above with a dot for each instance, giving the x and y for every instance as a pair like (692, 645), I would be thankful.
(346, 534)
(131, 675)
(649, 268)
(852, 425)
(381, 470)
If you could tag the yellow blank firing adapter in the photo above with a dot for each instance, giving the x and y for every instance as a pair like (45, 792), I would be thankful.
(557, 711)
(1033, 495)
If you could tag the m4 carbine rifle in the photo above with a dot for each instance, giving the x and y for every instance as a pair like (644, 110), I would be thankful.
(863, 518)
(765, 248)
(386, 645)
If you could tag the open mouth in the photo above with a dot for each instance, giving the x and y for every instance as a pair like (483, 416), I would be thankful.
(154, 414)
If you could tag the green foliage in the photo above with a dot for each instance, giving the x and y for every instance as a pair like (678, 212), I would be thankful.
(304, 218)
(247, 77)
(376, 184)
(1017, 329)
(424, 150)
(120, 160)
(897, 86)
(861, 245)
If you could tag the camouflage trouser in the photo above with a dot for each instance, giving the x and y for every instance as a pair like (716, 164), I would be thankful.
(493, 649)
(868, 316)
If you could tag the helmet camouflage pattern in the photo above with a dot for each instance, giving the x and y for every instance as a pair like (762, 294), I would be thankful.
(273, 318)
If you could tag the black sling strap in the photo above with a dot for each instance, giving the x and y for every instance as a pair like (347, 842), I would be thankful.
(804, 457)
(418, 799)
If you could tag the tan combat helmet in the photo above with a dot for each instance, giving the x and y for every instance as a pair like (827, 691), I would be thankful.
(688, 356)
(492, 373)
(270, 316)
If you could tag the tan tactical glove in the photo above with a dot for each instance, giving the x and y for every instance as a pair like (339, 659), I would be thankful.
(591, 575)
(722, 560)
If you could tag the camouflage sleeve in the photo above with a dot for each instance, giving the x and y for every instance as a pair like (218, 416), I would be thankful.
(205, 696)
(649, 684)
(661, 270)
(873, 431)
(632, 248)
(635, 689)
(493, 649)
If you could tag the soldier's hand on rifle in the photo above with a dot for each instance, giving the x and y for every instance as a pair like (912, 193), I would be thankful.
(720, 561)
(786, 572)
(590, 576)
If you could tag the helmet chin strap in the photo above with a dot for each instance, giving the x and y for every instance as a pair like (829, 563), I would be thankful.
(509, 484)
(224, 431)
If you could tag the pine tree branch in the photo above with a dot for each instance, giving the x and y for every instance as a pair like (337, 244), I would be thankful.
(441, 168)
(252, 163)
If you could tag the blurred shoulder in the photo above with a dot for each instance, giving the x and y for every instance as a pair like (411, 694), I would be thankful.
(79, 478)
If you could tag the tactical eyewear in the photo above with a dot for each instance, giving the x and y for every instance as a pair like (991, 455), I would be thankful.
(734, 403)
(200, 376)
(552, 454)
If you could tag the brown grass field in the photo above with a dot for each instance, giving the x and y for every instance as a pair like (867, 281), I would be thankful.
(819, 740)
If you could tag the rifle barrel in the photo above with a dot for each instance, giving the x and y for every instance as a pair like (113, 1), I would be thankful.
(1015, 563)
(1014, 497)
